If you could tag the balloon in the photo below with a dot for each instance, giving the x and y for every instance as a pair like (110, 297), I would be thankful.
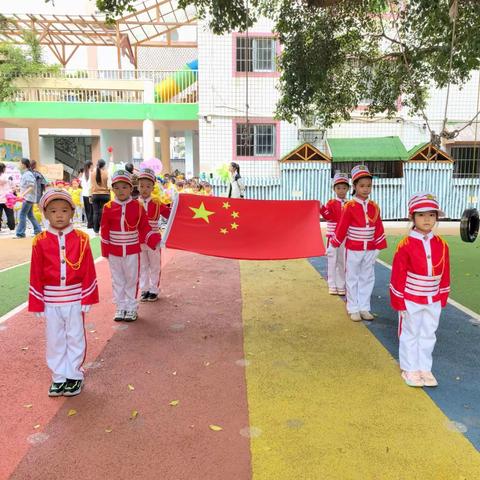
(154, 163)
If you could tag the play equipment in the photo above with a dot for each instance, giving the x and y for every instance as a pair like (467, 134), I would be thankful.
(469, 225)
(178, 82)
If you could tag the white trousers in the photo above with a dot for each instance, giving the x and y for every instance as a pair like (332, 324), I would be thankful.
(416, 331)
(124, 271)
(336, 267)
(150, 265)
(65, 345)
(360, 279)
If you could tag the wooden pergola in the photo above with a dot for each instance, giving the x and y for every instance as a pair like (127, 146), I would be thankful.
(427, 152)
(306, 152)
(151, 24)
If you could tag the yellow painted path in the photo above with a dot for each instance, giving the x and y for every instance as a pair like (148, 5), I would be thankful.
(326, 401)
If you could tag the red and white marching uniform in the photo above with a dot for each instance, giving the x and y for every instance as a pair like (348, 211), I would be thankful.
(63, 285)
(124, 227)
(150, 260)
(419, 288)
(362, 228)
(332, 212)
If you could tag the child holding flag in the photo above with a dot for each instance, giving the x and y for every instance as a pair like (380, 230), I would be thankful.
(124, 227)
(362, 227)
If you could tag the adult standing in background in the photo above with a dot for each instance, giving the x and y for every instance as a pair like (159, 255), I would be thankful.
(237, 186)
(5, 188)
(40, 180)
(100, 193)
(28, 191)
(86, 182)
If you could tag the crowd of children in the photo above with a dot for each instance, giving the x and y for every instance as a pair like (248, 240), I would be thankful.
(63, 285)
(420, 279)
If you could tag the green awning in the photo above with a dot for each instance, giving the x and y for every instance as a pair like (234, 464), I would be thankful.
(416, 148)
(375, 149)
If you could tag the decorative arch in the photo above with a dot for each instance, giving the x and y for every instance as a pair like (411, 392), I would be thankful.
(306, 153)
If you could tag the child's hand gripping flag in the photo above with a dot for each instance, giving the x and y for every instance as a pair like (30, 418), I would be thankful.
(245, 229)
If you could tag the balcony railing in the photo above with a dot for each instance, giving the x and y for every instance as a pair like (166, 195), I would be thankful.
(110, 86)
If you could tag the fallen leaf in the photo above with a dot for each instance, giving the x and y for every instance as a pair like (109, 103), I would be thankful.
(134, 415)
(36, 426)
(108, 430)
(174, 403)
(92, 331)
(72, 412)
(131, 387)
(215, 428)
(28, 405)
(148, 371)
(24, 349)
(174, 373)
(207, 364)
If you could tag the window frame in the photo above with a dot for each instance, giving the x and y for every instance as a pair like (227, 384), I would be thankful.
(475, 172)
(396, 170)
(255, 122)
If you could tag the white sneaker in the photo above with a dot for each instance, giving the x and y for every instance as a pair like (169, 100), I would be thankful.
(130, 316)
(366, 315)
(355, 317)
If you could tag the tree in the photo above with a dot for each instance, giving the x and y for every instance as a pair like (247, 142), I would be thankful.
(338, 52)
(17, 62)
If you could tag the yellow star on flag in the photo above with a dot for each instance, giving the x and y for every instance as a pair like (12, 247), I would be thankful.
(235, 214)
(226, 205)
(234, 226)
(201, 212)
(224, 231)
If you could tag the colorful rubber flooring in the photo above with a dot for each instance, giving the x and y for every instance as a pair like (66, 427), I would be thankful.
(258, 349)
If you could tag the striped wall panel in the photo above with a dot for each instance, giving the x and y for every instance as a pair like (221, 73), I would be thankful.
(312, 181)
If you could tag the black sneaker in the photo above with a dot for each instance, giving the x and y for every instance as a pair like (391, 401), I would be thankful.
(152, 297)
(72, 388)
(119, 316)
(144, 297)
(130, 316)
(56, 389)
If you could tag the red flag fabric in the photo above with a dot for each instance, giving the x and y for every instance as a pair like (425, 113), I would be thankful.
(245, 229)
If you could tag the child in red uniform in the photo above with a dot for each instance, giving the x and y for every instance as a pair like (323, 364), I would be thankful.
(362, 226)
(332, 212)
(150, 260)
(419, 288)
(123, 228)
(63, 286)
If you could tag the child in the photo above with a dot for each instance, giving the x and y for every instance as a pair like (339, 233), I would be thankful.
(332, 212)
(362, 226)
(150, 259)
(123, 228)
(63, 286)
(76, 193)
(419, 289)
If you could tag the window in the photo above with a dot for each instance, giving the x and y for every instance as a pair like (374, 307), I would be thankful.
(390, 169)
(255, 140)
(255, 54)
(467, 161)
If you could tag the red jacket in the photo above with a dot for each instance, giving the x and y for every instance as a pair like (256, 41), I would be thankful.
(62, 270)
(124, 227)
(361, 225)
(332, 212)
(155, 209)
(420, 271)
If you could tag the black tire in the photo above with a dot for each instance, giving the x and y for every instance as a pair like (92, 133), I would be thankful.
(469, 225)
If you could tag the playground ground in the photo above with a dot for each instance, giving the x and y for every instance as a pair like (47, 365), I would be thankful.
(242, 370)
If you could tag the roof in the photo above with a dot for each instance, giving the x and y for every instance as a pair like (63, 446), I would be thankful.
(426, 152)
(306, 152)
(372, 149)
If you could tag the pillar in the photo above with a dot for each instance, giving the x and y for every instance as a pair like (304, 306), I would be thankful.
(189, 168)
(165, 148)
(148, 139)
(34, 144)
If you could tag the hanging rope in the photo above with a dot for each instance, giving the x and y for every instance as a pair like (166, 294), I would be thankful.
(246, 128)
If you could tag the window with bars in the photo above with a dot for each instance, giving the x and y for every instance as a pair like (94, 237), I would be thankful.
(467, 161)
(255, 140)
(255, 54)
(390, 169)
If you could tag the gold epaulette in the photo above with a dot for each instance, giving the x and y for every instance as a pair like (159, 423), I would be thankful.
(108, 204)
(350, 203)
(38, 237)
(81, 234)
(402, 243)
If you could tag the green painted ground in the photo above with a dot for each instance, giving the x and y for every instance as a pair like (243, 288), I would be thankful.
(14, 283)
(465, 269)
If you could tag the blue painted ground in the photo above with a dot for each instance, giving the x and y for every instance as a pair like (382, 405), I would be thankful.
(456, 359)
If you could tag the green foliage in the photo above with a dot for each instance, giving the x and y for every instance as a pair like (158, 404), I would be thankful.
(17, 62)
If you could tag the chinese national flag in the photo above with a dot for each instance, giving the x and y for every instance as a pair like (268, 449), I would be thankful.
(245, 229)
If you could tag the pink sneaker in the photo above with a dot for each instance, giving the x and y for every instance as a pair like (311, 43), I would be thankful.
(412, 379)
(428, 379)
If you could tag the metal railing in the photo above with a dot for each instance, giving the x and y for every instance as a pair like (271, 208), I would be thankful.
(110, 86)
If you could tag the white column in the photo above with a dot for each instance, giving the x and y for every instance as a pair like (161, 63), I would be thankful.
(34, 144)
(148, 139)
(189, 168)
